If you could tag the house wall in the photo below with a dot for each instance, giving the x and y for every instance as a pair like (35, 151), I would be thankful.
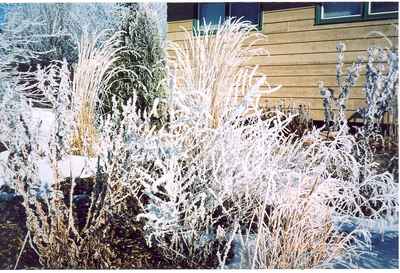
(302, 53)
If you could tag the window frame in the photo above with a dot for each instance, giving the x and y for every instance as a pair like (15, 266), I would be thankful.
(365, 15)
(196, 19)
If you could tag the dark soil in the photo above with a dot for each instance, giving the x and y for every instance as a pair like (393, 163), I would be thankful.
(13, 232)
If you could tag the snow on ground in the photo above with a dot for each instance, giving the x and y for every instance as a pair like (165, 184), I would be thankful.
(3, 158)
(384, 252)
(71, 166)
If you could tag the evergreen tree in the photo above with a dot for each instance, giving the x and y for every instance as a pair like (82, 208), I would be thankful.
(143, 59)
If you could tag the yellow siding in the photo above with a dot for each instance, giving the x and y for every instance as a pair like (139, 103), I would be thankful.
(301, 54)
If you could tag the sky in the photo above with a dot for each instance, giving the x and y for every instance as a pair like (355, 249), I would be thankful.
(1, 13)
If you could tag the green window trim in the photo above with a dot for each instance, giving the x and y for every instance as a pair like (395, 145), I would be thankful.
(365, 16)
(196, 20)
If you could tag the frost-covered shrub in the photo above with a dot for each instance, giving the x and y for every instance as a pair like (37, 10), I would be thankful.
(52, 30)
(22, 172)
(54, 82)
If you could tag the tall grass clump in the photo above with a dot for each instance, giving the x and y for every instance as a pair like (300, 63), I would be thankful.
(92, 78)
(213, 67)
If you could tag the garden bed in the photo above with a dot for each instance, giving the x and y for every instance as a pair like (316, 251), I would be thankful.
(134, 253)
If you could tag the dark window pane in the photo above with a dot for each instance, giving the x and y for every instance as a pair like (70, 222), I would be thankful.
(341, 9)
(211, 13)
(249, 11)
(378, 7)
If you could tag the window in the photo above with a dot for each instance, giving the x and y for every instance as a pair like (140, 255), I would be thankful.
(249, 12)
(215, 13)
(211, 13)
(382, 10)
(340, 12)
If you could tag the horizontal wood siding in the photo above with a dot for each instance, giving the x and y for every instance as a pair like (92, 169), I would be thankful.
(298, 54)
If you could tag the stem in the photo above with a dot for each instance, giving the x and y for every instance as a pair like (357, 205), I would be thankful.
(22, 249)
